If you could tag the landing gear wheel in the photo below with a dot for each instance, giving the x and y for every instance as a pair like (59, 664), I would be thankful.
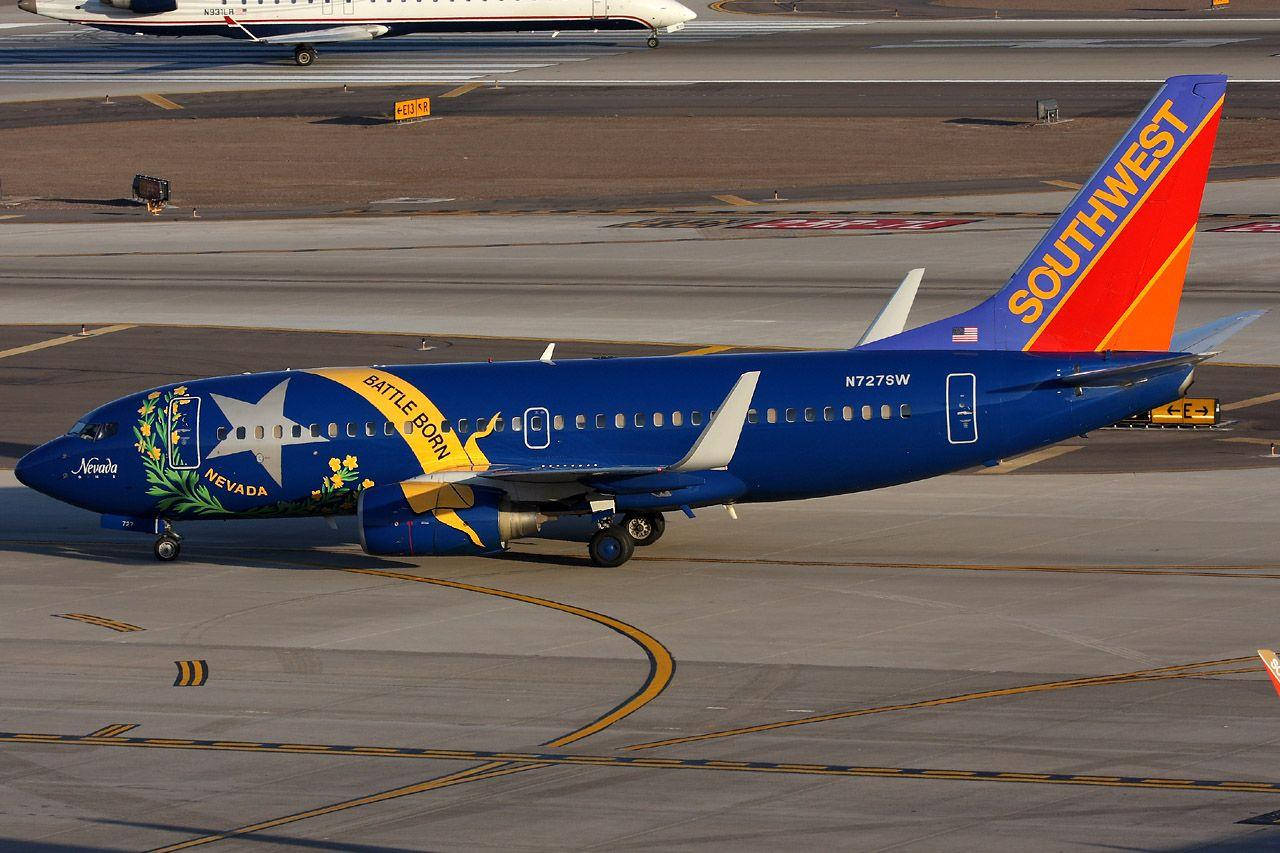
(645, 528)
(653, 41)
(304, 55)
(167, 547)
(611, 547)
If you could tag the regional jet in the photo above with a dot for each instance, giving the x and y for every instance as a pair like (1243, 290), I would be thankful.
(466, 458)
(306, 23)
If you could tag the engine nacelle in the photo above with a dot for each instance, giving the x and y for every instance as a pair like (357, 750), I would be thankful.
(435, 519)
(144, 7)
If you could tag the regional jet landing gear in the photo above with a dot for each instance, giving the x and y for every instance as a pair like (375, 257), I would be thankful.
(304, 55)
(168, 545)
(653, 39)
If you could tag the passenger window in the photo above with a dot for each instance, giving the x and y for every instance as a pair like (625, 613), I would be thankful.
(315, 430)
(516, 425)
(886, 412)
(677, 419)
(370, 428)
(351, 430)
(810, 414)
(388, 428)
(771, 416)
(221, 433)
(259, 432)
(464, 426)
(753, 417)
(601, 421)
(695, 418)
(620, 421)
(278, 431)
(638, 420)
(829, 413)
(499, 424)
(866, 413)
(791, 416)
(296, 431)
(904, 410)
(557, 422)
(580, 421)
(241, 433)
(847, 413)
(657, 419)
(407, 428)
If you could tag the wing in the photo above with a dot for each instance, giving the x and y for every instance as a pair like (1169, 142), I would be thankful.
(332, 34)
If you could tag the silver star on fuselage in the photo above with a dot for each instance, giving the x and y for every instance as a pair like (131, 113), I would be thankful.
(266, 413)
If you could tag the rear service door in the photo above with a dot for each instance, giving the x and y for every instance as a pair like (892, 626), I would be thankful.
(962, 408)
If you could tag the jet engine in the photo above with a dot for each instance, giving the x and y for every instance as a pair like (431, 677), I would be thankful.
(144, 7)
(434, 519)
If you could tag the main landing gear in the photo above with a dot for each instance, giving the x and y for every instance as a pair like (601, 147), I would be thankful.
(614, 545)
(168, 545)
(304, 55)
(653, 40)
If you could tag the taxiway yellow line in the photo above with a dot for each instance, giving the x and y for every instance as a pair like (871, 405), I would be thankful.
(1027, 459)
(1250, 402)
(708, 350)
(459, 91)
(66, 339)
(1066, 185)
(161, 101)
(736, 200)
(1186, 670)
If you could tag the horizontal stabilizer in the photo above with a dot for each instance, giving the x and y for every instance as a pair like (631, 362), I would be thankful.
(1123, 374)
(1209, 337)
(892, 318)
(331, 34)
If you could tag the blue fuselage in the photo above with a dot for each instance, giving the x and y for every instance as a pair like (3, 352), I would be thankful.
(821, 423)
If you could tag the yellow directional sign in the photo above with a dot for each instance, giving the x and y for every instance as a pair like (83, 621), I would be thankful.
(417, 108)
(1188, 410)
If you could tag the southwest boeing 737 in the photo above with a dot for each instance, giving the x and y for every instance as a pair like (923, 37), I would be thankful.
(306, 23)
(465, 458)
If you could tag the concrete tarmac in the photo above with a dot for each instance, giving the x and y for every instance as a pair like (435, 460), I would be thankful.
(950, 588)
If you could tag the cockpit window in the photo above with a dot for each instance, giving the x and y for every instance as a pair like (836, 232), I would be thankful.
(93, 432)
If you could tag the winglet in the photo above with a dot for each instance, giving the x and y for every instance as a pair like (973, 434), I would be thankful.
(545, 358)
(1273, 667)
(1209, 337)
(719, 440)
(892, 318)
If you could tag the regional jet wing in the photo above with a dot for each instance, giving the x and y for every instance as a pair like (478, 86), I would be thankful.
(332, 34)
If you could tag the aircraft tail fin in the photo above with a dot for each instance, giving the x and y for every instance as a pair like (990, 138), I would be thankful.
(1272, 667)
(1108, 274)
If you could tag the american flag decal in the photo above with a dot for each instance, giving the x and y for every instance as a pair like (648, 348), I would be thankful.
(964, 334)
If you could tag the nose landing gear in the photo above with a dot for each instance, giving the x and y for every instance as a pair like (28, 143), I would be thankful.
(653, 39)
(168, 545)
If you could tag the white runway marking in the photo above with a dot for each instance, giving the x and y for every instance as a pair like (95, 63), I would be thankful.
(91, 56)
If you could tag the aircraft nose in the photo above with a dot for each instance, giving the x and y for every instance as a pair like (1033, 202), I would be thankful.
(35, 469)
(28, 6)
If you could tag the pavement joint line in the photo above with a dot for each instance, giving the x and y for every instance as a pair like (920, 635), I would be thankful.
(459, 91)
(161, 101)
(1240, 439)
(532, 760)
(1184, 670)
(66, 339)
(1028, 459)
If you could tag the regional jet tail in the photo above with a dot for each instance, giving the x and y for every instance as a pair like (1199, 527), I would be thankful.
(306, 23)
(466, 458)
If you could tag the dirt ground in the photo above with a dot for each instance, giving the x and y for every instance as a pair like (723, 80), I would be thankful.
(296, 163)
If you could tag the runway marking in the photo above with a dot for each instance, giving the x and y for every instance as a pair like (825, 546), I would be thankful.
(113, 730)
(191, 673)
(735, 200)
(498, 766)
(459, 91)
(1138, 676)
(66, 339)
(1066, 185)
(101, 622)
(1228, 407)
(1027, 459)
(708, 350)
(161, 101)
(1260, 572)
(661, 671)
